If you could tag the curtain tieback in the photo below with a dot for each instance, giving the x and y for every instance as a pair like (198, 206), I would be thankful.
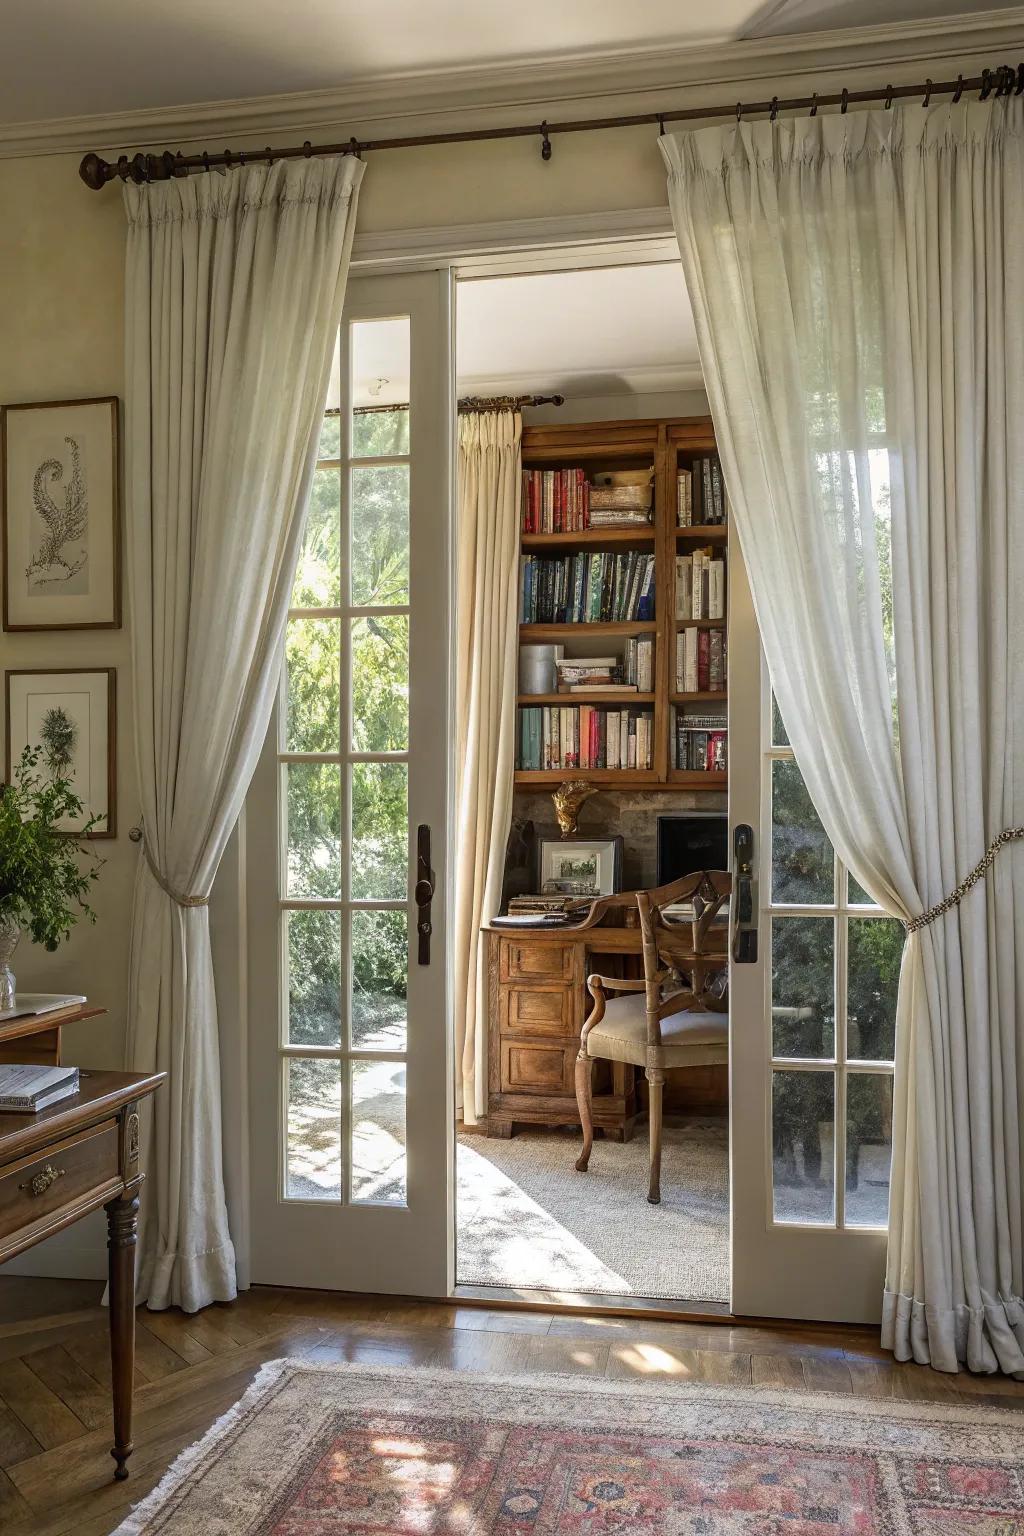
(137, 835)
(984, 864)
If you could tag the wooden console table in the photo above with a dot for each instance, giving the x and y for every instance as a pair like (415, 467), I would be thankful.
(57, 1166)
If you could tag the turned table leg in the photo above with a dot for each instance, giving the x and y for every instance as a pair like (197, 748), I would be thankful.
(122, 1224)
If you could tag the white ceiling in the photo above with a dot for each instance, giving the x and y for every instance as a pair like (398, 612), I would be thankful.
(610, 330)
(65, 58)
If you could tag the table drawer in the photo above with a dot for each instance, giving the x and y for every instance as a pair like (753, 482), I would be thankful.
(526, 961)
(36, 1186)
(539, 1069)
(545, 1011)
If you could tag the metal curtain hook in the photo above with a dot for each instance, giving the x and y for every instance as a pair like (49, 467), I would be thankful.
(307, 148)
(774, 109)
(739, 111)
(986, 85)
(227, 158)
(888, 97)
(959, 89)
(661, 126)
(269, 154)
(846, 100)
(814, 105)
(927, 93)
(354, 147)
(545, 148)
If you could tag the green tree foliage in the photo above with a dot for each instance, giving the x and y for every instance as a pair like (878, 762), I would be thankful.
(378, 561)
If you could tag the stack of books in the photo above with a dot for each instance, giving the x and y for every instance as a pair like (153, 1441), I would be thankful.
(28, 1089)
(587, 588)
(701, 742)
(630, 673)
(700, 661)
(700, 585)
(555, 501)
(700, 494)
(584, 736)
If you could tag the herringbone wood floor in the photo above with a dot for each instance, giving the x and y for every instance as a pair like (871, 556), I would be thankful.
(55, 1374)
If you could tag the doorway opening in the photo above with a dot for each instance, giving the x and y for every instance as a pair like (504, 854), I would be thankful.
(602, 607)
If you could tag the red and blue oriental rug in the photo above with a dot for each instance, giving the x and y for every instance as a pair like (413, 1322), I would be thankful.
(315, 1450)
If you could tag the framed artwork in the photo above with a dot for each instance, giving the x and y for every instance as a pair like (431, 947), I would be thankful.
(578, 866)
(71, 717)
(60, 509)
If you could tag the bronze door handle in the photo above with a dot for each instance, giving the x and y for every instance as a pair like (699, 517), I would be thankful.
(423, 894)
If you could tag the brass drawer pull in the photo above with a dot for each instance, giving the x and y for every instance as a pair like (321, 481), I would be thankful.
(39, 1183)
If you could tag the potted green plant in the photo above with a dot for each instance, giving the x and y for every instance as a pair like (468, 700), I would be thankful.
(45, 873)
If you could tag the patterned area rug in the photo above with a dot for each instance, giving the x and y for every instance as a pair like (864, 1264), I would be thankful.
(315, 1450)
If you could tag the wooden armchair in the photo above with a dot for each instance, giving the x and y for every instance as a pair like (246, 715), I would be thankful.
(672, 1018)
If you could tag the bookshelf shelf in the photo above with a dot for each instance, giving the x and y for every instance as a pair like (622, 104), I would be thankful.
(557, 632)
(703, 533)
(590, 538)
(592, 696)
(666, 446)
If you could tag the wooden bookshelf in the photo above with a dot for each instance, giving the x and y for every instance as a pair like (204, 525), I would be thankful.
(668, 444)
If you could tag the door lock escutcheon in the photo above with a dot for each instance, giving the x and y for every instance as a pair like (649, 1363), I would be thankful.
(423, 894)
(744, 932)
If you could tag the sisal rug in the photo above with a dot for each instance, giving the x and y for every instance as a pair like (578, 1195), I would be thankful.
(314, 1450)
(527, 1219)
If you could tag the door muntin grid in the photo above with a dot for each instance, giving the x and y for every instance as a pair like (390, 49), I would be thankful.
(831, 981)
(343, 762)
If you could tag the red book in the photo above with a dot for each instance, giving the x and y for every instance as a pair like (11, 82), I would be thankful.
(703, 660)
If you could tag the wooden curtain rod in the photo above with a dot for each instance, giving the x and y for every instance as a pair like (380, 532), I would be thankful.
(469, 403)
(140, 167)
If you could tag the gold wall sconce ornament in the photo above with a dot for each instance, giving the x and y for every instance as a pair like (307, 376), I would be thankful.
(569, 799)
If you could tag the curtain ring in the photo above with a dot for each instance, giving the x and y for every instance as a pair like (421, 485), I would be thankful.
(1005, 80)
(959, 89)
(227, 158)
(814, 105)
(888, 97)
(774, 109)
(927, 93)
(206, 161)
(545, 148)
(661, 125)
(269, 154)
(1020, 80)
(307, 148)
(845, 100)
(739, 111)
(241, 158)
(986, 85)
(354, 148)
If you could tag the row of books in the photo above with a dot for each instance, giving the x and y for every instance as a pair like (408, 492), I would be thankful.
(584, 736)
(587, 588)
(700, 585)
(701, 742)
(700, 494)
(634, 669)
(701, 661)
(555, 501)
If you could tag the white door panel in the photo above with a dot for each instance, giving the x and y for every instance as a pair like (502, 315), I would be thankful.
(351, 1097)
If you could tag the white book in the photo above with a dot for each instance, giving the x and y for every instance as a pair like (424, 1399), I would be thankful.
(690, 662)
(684, 586)
(697, 586)
(716, 589)
(27, 1089)
(31, 1004)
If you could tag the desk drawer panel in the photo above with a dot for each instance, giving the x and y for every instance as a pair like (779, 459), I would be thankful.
(35, 1186)
(523, 960)
(538, 1011)
(541, 1069)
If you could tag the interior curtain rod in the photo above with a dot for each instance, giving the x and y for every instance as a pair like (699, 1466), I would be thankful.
(469, 403)
(141, 167)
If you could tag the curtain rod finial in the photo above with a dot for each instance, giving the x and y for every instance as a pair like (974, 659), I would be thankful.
(94, 172)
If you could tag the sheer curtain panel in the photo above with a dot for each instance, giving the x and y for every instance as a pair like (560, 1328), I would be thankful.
(489, 494)
(235, 285)
(858, 287)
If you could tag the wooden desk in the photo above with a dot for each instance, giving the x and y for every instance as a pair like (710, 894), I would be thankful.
(60, 1164)
(537, 1001)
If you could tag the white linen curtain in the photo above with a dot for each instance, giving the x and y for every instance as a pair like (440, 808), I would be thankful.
(489, 498)
(858, 288)
(235, 286)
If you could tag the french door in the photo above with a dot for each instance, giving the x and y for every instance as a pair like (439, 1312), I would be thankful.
(812, 1027)
(346, 833)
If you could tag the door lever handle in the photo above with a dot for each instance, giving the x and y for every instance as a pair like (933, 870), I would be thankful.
(744, 936)
(423, 894)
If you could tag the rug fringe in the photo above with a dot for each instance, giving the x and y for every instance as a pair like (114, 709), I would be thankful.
(186, 1461)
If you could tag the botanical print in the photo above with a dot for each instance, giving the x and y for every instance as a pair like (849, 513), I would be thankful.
(59, 507)
(60, 526)
(67, 718)
(58, 735)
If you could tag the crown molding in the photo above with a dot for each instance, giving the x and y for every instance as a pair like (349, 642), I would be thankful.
(436, 101)
(588, 383)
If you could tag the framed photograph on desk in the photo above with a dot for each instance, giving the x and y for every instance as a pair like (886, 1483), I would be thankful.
(580, 866)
